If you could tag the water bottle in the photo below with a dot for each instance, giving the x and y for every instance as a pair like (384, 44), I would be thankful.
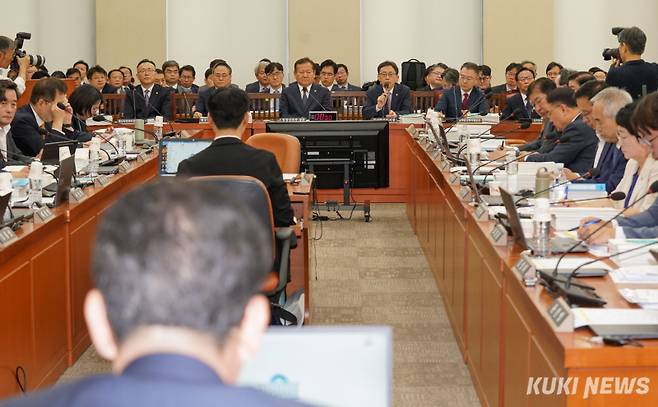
(512, 172)
(474, 151)
(542, 183)
(542, 228)
(35, 182)
(157, 127)
(559, 192)
(94, 157)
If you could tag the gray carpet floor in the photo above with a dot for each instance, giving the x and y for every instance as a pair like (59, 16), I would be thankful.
(375, 273)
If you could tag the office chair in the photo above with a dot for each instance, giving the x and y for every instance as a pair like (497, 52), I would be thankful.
(285, 148)
(253, 194)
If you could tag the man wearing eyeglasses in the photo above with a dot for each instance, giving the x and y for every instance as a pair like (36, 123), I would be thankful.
(274, 72)
(221, 78)
(434, 77)
(388, 98)
(148, 99)
(465, 98)
(519, 106)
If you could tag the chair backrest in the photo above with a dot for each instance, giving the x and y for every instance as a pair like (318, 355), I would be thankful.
(264, 106)
(182, 103)
(113, 103)
(421, 100)
(285, 148)
(348, 104)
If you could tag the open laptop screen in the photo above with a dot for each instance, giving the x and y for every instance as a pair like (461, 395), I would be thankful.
(173, 151)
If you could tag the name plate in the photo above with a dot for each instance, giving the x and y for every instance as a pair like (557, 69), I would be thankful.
(142, 157)
(43, 215)
(445, 164)
(498, 235)
(482, 212)
(560, 316)
(526, 271)
(465, 193)
(453, 179)
(436, 153)
(102, 180)
(7, 236)
(124, 167)
(77, 194)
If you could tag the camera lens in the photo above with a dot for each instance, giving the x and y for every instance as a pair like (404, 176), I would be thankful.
(37, 60)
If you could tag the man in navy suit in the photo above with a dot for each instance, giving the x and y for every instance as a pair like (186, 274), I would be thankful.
(262, 83)
(42, 121)
(186, 80)
(645, 224)
(177, 327)
(465, 98)
(519, 106)
(342, 84)
(577, 145)
(612, 162)
(147, 99)
(510, 80)
(97, 77)
(304, 96)
(388, 98)
(222, 77)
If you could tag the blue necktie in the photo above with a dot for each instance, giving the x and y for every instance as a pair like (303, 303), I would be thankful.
(305, 96)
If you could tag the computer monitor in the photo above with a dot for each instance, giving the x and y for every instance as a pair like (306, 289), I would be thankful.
(325, 366)
(173, 151)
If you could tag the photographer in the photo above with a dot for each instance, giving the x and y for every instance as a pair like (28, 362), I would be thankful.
(7, 54)
(632, 73)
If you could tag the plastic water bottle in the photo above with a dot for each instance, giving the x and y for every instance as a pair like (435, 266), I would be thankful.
(559, 192)
(157, 127)
(512, 172)
(94, 157)
(35, 182)
(474, 151)
(542, 228)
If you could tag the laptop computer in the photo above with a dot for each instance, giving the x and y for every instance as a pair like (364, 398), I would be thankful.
(325, 366)
(442, 141)
(173, 151)
(50, 153)
(558, 244)
(66, 171)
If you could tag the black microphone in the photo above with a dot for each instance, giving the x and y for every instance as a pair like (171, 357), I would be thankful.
(589, 174)
(154, 108)
(653, 188)
(101, 118)
(615, 196)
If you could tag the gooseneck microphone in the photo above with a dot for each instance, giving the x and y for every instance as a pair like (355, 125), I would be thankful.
(615, 196)
(147, 105)
(310, 94)
(589, 174)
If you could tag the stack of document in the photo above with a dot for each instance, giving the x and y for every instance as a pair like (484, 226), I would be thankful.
(640, 257)
(635, 275)
(645, 298)
(569, 217)
(614, 316)
(586, 191)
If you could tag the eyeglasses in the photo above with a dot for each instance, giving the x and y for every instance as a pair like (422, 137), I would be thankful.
(146, 70)
(222, 75)
(387, 74)
(467, 78)
(326, 74)
(276, 73)
(647, 141)
(526, 79)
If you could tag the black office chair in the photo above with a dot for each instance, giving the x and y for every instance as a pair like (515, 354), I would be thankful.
(253, 194)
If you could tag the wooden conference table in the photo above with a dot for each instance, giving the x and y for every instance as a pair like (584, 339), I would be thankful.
(497, 321)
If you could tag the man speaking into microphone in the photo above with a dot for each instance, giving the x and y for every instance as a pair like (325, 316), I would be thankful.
(388, 99)
(465, 98)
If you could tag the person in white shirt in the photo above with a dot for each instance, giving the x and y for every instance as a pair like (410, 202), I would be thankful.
(9, 153)
(7, 54)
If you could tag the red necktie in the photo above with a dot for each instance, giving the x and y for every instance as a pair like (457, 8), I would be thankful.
(465, 102)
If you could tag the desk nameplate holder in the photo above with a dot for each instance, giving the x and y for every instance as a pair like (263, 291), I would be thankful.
(498, 235)
(445, 164)
(43, 215)
(102, 180)
(560, 316)
(142, 157)
(525, 269)
(454, 179)
(7, 236)
(465, 194)
(435, 153)
(124, 167)
(481, 212)
(77, 195)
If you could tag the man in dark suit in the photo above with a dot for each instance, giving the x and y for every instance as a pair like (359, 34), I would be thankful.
(519, 106)
(147, 99)
(42, 121)
(510, 80)
(388, 98)
(9, 153)
(262, 83)
(97, 77)
(228, 155)
(632, 73)
(577, 145)
(434, 77)
(186, 80)
(304, 96)
(537, 93)
(465, 98)
(342, 84)
(176, 305)
(222, 75)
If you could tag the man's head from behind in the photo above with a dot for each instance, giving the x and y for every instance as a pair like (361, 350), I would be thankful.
(606, 104)
(632, 42)
(7, 48)
(562, 107)
(8, 99)
(180, 284)
(228, 109)
(46, 94)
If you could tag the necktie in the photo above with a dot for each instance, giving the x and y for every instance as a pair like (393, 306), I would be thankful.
(343, 87)
(305, 96)
(465, 102)
(147, 96)
(265, 90)
(528, 107)
(276, 101)
(388, 100)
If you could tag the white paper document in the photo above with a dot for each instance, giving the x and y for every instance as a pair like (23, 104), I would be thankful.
(635, 275)
(568, 264)
(614, 316)
(640, 295)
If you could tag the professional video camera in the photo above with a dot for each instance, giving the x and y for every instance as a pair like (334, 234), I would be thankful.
(36, 60)
(609, 53)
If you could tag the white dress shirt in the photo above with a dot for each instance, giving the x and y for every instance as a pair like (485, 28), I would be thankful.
(3, 140)
(20, 83)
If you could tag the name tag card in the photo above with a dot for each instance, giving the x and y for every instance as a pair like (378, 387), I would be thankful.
(482, 212)
(453, 179)
(43, 215)
(101, 180)
(142, 157)
(498, 235)
(445, 164)
(124, 167)
(465, 194)
(526, 271)
(436, 153)
(7, 236)
(77, 195)
(560, 316)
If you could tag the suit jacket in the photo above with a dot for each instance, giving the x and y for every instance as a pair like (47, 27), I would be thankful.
(545, 142)
(13, 155)
(230, 156)
(576, 149)
(194, 89)
(30, 141)
(451, 102)
(253, 87)
(611, 168)
(109, 89)
(400, 101)
(291, 105)
(498, 89)
(350, 88)
(647, 175)
(152, 381)
(159, 103)
(516, 102)
(202, 100)
(644, 225)
(426, 88)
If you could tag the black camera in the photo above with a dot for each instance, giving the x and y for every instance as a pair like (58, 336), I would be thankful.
(36, 60)
(609, 53)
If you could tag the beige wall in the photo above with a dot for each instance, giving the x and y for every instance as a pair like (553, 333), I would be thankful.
(319, 31)
(124, 38)
(515, 30)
